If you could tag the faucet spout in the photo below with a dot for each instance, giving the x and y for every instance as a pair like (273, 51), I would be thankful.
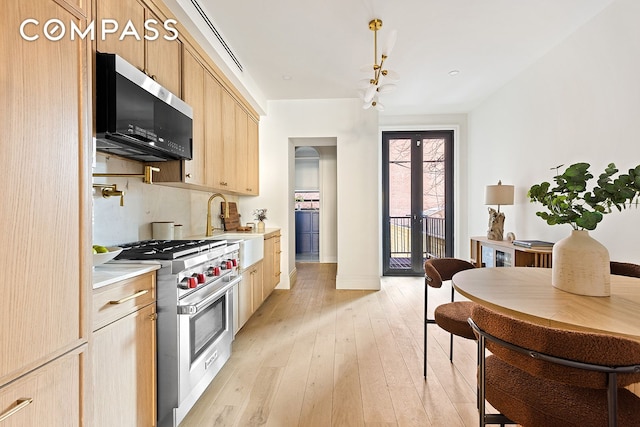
(210, 228)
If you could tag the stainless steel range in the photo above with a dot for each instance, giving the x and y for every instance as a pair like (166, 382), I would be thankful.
(195, 316)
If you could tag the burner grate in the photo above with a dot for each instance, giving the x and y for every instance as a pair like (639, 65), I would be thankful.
(164, 249)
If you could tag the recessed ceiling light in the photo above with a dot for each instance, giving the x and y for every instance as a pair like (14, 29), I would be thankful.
(454, 72)
(286, 77)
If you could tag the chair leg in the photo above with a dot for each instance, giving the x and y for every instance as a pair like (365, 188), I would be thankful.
(451, 348)
(424, 344)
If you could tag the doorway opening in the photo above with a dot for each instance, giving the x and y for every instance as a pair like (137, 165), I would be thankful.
(307, 197)
(418, 199)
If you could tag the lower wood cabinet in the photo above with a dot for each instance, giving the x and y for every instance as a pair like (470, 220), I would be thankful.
(124, 354)
(271, 262)
(250, 294)
(50, 395)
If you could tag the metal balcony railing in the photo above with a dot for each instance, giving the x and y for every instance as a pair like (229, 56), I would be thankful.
(433, 239)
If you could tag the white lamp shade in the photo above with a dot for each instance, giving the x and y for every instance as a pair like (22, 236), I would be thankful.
(498, 194)
(391, 41)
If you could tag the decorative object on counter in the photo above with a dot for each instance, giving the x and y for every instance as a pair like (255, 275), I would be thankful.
(299, 199)
(511, 236)
(497, 195)
(260, 215)
(230, 216)
(102, 254)
(209, 228)
(581, 263)
(374, 87)
(163, 230)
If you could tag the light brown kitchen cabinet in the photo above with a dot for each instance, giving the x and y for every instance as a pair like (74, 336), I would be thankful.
(163, 58)
(271, 262)
(124, 353)
(45, 250)
(251, 166)
(158, 58)
(250, 294)
(245, 300)
(47, 396)
(213, 131)
(194, 170)
(227, 162)
(121, 11)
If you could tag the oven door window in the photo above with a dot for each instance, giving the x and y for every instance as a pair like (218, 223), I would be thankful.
(207, 325)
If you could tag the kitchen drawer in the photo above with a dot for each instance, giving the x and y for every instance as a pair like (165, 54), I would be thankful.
(50, 395)
(115, 301)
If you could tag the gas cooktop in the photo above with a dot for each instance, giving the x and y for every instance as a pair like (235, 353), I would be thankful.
(166, 249)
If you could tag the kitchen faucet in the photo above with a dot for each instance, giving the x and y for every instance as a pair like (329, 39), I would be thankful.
(226, 212)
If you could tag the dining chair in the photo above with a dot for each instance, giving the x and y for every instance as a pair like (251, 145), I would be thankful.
(625, 269)
(537, 375)
(451, 316)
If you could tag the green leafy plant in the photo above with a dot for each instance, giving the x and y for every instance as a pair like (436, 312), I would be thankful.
(570, 202)
(260, 214)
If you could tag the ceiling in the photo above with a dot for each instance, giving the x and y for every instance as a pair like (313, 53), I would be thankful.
(301, 49)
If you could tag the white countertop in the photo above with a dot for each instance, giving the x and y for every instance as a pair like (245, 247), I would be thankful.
(109, 272)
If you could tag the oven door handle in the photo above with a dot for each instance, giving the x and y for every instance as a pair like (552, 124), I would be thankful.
(195, 308)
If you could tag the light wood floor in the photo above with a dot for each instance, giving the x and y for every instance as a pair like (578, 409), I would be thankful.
(317, 356)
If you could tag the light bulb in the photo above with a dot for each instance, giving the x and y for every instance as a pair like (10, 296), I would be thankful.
(391, 41)
(369, 93)
(387, 88)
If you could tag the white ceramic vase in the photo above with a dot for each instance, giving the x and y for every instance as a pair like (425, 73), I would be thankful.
(580, 265)
(260, 226)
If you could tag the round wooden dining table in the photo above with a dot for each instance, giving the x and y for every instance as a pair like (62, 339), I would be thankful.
(526, 293)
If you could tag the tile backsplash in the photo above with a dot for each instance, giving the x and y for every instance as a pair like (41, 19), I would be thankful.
(144, 204)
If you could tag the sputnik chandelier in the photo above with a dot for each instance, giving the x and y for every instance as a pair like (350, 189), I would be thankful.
(382, 78)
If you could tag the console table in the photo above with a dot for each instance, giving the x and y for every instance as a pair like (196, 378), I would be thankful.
(501, 253)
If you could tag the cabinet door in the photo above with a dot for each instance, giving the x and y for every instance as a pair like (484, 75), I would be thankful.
(48, 396)
(124, 371)
(44, 249)
(256, 284)
(122, 11)
(228, 143)
(242, 149)
(194, 96)
(163, 58)
(268, 266)
(276, 261)
(244, 298)
(214, 172)
(252, 164)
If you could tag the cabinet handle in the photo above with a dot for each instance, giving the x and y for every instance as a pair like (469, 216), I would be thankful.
(188, 175)
(153, 316)
(130, 297)
(20, 405)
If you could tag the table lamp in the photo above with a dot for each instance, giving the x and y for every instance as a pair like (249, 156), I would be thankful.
(497, 195)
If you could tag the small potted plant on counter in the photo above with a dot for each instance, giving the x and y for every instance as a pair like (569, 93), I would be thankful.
(260, 215)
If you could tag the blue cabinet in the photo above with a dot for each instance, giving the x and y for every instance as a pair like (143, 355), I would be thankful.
(307, 232)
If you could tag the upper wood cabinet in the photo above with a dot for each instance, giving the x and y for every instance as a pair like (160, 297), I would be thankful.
(45, 250)
(194, 170)
(163, 58)
(122, 11)
(158, 58)
(227, 160)
(250, 166)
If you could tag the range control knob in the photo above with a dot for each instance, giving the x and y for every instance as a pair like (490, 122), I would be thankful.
(234, 262)
(192, 282)
(210, 271)
(201, 278)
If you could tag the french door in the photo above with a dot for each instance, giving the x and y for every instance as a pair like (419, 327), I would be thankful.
(417, 199)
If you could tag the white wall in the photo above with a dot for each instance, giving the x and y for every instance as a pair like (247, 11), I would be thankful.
(357, 170)
(580, 102)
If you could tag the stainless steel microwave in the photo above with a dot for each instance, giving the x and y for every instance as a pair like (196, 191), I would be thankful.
(136, 117)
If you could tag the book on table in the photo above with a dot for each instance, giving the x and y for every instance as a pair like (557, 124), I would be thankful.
(533, 243)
